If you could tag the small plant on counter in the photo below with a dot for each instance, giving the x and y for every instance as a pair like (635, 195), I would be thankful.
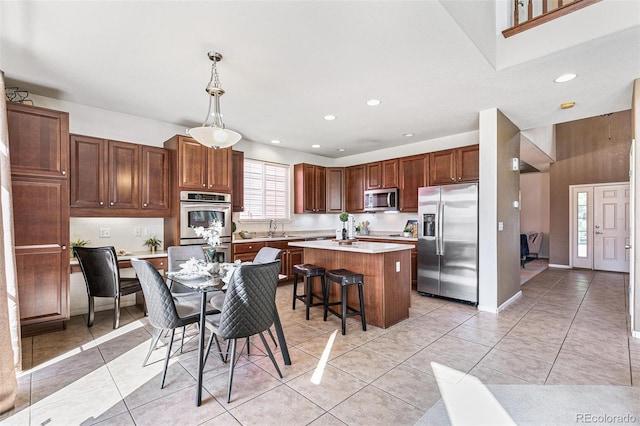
(153, 243)
(408, 231)
(78, 243)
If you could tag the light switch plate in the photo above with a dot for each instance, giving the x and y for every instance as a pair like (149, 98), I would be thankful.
(500, 226)
(105, 232)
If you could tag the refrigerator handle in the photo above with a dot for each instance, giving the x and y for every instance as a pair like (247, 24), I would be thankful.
(441, 230)
(437, 228)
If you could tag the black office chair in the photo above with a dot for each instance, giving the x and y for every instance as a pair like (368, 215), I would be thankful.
(101, 274)
(165, 313)
(248, 309)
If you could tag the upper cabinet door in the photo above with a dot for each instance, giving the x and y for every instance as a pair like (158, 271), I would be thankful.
(237, 172)
(87, 172)
(335, 189)
(374, 175)
(414, 172)
(355, 184)
(390, 173)
(192, 164)
(43, 148)
(468, 163)
(219, 169)
(123, 174)
(442, 167)
(320, 189)
(155, 178)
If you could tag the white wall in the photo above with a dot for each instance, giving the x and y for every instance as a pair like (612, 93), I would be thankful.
(534, 207)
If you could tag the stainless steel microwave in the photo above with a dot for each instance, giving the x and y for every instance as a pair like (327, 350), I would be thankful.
(381, 200)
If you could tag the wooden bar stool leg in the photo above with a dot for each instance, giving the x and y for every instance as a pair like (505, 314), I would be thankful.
(308, 294)
(361, 293)
(295, 289)
(344, 310)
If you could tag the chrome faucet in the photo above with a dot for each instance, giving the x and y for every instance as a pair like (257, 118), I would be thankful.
(272, 227)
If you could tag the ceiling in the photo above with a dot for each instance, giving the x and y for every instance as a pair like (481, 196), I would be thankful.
(288, 64)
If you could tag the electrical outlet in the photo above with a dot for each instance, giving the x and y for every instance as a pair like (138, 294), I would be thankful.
(105, 232)
(500, 226)
(136, 231)
(146, 232)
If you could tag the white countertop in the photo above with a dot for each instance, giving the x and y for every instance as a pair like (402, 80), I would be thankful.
(301, 235)
(135, 255)
(358, 246)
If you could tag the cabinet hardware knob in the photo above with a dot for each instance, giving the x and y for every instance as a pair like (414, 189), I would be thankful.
(111, 203)
(64, 247)
(64, 172)
(204, 185)
(145, 204)
(459, 177)
(453, 179)
(102, 203)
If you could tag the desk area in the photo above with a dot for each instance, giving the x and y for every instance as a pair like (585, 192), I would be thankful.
(386, 270)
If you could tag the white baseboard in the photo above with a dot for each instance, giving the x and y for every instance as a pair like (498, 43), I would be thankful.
(501, 307)
(555, 265)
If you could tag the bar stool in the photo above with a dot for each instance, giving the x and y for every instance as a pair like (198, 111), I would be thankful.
(345, 278)
(308, 271)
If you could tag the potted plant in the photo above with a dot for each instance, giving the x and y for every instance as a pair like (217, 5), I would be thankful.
(153, 243)
(78, 243)
(344, 217)
(408, 232)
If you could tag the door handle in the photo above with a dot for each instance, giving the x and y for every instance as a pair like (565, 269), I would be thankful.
(598, 232)
(627, 247)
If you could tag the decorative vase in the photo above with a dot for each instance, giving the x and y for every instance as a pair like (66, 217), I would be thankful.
(211, 255)
(152, 249)
(344, 233)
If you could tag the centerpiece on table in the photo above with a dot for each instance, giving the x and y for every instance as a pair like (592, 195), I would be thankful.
(212, 236)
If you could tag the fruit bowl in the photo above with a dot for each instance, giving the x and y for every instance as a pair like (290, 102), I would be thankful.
(246, 234)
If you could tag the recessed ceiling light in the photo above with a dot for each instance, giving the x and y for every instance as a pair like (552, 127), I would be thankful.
(341, 150)
(373, 102)
(567, 105)
(329, 117)
(565, 77)
(275, 141)
(408, 135)
(315, 146)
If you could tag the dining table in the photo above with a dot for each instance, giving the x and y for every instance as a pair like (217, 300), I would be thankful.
(205, 282)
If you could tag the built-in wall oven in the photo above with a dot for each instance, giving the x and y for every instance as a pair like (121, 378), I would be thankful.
(200, 209)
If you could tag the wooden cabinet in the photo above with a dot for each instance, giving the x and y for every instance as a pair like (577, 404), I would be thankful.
(112, 178)
(245, 252)
(413, 174)
(288, 257)
(309, 188)
(455, 165)
(382, 174)
(200, 167)
(39, 150)
(335, 189)
(154, 178)
(237, 193)
(355, 186)
(413, 259)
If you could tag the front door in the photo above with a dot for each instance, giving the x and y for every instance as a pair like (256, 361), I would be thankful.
(611, 227)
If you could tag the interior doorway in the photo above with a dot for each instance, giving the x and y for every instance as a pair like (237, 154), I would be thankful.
(600, 224)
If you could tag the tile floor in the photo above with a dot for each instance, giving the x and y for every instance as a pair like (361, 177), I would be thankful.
(568, 328)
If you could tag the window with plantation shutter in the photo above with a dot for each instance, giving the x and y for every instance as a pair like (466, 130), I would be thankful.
(266, 191)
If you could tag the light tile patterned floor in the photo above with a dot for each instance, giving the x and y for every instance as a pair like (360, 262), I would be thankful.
(569, 327)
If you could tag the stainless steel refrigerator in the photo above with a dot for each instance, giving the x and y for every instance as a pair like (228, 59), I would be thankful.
(448, 241)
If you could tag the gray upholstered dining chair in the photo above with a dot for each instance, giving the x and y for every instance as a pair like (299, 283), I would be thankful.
(165, 312)
(248, 309)
(264, 255)
(176, 255)
(99, 267)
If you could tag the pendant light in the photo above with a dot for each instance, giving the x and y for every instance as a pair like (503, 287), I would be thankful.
(212, 132)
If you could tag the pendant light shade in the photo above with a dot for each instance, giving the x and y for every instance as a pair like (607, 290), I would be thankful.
(212, 132)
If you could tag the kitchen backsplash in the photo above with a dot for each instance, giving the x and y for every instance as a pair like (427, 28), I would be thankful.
(129, 233)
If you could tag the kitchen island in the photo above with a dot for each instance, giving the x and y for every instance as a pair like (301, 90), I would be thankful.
(386, 270)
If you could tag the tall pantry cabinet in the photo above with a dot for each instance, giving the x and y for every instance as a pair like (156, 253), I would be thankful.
(39, 153)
